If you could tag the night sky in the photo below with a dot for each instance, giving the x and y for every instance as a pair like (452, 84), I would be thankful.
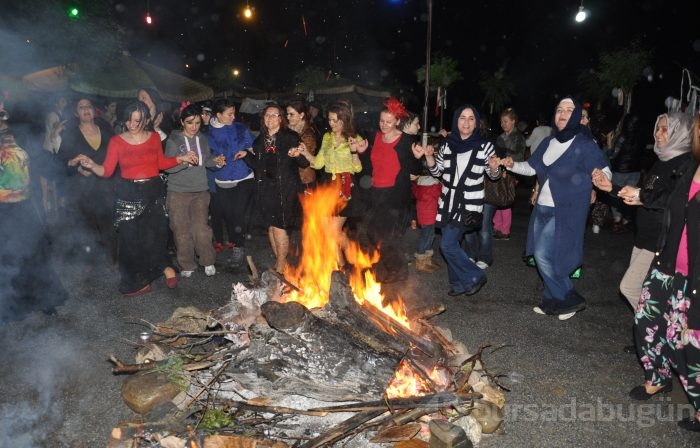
(381, 43)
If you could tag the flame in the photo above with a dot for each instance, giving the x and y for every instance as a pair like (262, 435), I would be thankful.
(319, 259)
(408, 383)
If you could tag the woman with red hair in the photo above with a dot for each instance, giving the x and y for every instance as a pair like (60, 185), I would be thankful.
(392, 165)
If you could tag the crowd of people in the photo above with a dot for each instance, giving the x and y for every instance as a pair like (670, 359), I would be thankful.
(162, 194)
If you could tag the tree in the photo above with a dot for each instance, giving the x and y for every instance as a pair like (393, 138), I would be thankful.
(444, 72)
(498, 89)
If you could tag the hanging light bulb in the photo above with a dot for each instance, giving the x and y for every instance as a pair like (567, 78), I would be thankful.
(149, 19)
(247, 12)
(581, 14)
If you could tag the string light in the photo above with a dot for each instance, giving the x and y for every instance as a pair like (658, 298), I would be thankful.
(581, 14)
(149, 19)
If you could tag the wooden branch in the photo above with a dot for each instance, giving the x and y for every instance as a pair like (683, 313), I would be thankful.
(255, 276)
(433, 401)
(286, 282)
(342, 430)
(274, 409)
(121, 367)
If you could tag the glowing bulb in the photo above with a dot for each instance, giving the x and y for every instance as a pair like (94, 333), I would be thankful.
(581, 14)
(149, 19)
(248, 13)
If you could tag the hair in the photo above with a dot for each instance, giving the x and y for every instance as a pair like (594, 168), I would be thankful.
(280, 110)
(510, 113)
(302, 108)
(395, 108)
(137, 106)
(696, 137)
(344, 112)
(408, 120)
(190, 110)
(221, 105)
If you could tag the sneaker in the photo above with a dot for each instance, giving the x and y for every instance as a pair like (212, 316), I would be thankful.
(595, 228)
(566, 316)
(538, 310)
(186, 274)
(210, 270)
(481, 264)
(237, 257)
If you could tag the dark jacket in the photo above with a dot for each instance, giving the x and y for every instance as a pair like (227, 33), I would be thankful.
(678, 213)
(628, 148)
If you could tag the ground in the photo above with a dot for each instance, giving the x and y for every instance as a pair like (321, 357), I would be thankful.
(568, 380)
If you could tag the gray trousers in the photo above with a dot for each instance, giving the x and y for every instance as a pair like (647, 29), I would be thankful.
(189, 213)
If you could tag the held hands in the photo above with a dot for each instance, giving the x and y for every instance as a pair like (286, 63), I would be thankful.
(240, 154)
(630, 195)
(358, 144)
(295, 152)
(419, 151)
(220, 160)
(82, 160)
(190, 158)
(600, 180)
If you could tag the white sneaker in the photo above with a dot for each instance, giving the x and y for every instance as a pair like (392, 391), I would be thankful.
(186, 274)
(481, 264)
(595, 228)
(566, 316)
(538, 310)
(210, 270)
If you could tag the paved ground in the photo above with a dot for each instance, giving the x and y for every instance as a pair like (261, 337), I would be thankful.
(568, 380)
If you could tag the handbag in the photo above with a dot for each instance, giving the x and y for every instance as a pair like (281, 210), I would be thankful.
(500, 192)
(472, 220)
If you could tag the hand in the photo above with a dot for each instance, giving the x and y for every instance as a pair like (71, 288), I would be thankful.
(443, 133)
(418, 150)
(220, 160)
(294, 152)
(190, 158)
(85, 161)
(240, 154)
(630, 195)
(84, 172)
(600, 180)
(593, 196)
(358, 145)
(157, 120)
(507, 162)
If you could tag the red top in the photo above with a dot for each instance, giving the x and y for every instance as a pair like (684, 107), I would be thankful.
(385, 162)
(137, 161)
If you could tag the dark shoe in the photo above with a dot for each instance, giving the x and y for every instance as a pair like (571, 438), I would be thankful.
(454, 293)
(640, 392)
(474, 289)
(497, 235)
(690, 424)
(630, 349)
(619, 228)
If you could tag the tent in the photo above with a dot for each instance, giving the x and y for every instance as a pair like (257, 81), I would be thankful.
(120, 77)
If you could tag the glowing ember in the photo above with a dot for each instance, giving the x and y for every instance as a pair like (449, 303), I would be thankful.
(320, 258)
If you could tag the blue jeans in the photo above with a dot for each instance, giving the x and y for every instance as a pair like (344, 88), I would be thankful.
(462, 273)
(480, 243)
(556, 286)
(425, 238)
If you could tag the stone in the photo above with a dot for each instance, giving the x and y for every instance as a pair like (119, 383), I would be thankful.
(446, 435)
(144, 392)
(488, 414)
(490, 393)
(471, 427)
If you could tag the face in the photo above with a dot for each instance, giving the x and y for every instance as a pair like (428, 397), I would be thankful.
(585, 119)
(661, 132)
(294, 117)
(335, 124)
(563, 113)
(387, 122)
(136, 123)
(190, 125)
(413, 127)
(466, 123)
(85, 111)
(507, 124)
(226, 117)
(206, 116)
(272, 118)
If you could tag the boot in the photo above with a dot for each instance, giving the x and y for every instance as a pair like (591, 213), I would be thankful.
(423, 263)
(431, 262)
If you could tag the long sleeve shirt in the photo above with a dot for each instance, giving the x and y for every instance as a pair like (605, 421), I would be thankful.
(336, 159)
(141, 161)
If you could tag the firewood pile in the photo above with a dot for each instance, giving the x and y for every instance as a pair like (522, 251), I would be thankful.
(264, 372)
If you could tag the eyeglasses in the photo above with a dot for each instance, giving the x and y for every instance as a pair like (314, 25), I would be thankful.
(271, 115)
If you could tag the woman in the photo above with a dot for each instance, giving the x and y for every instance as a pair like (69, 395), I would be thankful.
(460, 163)
(564, 165)
(276, 163)
(160, 123)
(338, 157)
(92, 197)
(511, 143)
(667, 319)
(140, 211)
(235, 181)
(672, 144)
(298, 118)
(626, 166)
(392, 165)
(188, 195)
(426, 190)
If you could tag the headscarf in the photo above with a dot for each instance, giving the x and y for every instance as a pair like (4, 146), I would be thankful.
(457, 144)
(679, 137)
(573, 126)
